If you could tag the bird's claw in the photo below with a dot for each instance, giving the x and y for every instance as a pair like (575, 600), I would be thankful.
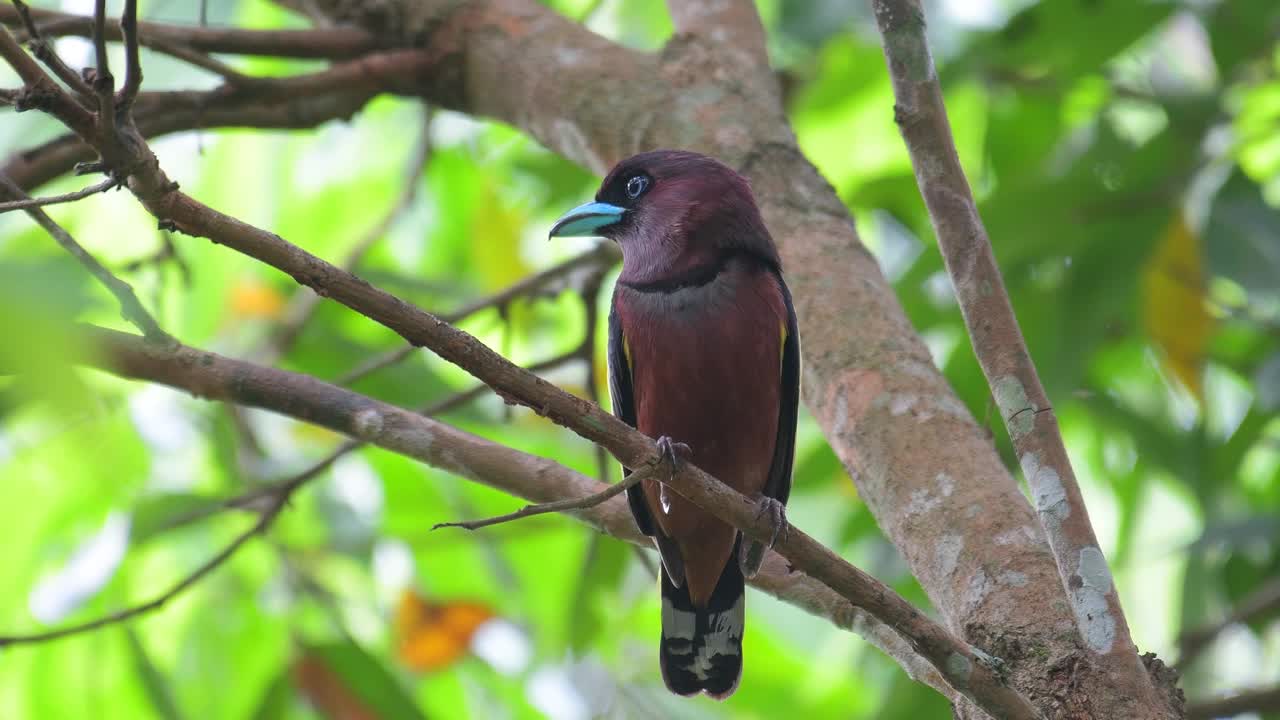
(777, 518)
(673, 453)
(752, 552)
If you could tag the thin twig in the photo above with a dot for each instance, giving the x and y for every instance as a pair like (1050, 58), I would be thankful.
(130, 306)
(1257, 701)
(57, 199)
(1259, 602)
(570, 504)
(203, 61)
(304, 303)
(601, 257)
(45, 53)
(133, 63)
(40, 90)
(321, 44)
(213, 563)
(103, 82)
(1001, 350)
(254, 498)
(970, 671)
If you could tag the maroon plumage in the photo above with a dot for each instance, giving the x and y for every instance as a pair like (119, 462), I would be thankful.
(703, 350)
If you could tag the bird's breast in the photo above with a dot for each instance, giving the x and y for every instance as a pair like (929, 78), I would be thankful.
(705, 367)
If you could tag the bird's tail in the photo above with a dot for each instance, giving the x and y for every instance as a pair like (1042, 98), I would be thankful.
(701, 648)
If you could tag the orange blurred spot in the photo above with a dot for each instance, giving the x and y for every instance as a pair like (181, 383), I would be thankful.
(432, 636)
(253, 299)
(326, 692)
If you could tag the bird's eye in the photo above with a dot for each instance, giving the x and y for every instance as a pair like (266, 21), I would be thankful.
(636, 186)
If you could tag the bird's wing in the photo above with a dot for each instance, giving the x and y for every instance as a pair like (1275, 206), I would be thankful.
(778, 484)
(624, 407)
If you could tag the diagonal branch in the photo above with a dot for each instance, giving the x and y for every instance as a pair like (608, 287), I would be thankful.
(45, 53)
(73, 196)
(1001, 350)
(304, 303)
(1256, 701)
(802, 574)
(1262, 600)
(566, 505)
(130, 307)
(264, 522)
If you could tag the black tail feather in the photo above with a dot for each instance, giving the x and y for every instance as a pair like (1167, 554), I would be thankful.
(701, 649)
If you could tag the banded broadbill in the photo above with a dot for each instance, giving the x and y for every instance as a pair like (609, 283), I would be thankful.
(703, 355)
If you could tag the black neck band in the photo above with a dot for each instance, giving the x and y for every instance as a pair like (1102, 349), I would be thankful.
(691, 278)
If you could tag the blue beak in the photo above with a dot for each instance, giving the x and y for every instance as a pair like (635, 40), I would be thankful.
(586, 219)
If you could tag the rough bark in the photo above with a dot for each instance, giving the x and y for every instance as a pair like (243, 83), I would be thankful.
(804, 574)
(923, 465)
(921, 462)
(1108, 649)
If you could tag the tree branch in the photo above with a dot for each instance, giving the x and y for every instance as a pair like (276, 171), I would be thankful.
(1195, 641)
(1257, 701)
(732, 25)
(130, 307)
(264, 521)
(53, 199)
(600, 257)
(45, 53)
(583, 503)
(319, 44)
(300, 101)
(1001, 350)
(304, 303)
(808, 564)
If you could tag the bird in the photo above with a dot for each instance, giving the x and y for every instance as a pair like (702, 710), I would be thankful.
(704, 357)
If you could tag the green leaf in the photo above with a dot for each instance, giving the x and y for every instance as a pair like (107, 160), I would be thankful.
(605, 561)
(276, 698)
(153, 681)
(155, 514)
(1243, 238)
(1045, 38)
(368, 679)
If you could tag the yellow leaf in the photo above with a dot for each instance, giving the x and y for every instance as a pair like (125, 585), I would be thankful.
(252, 298)
(432, 636)
(495, 249)
(1175, 313)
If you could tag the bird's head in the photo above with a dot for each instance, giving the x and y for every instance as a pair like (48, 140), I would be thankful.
(671, 212)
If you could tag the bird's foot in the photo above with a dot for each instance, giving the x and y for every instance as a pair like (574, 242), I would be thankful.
(672, 453)
(777, 513)
(751, 553)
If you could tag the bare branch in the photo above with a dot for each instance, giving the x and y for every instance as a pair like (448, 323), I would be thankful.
(304, 303)
(213, 563)
(56, 199)
(131, 308)
(1257, 701)
(104, 85)
(1259, 602)
(40, 91)
(44, 52)
(1002, 352)
(597, 258)
(133, 63)
(301, 101)
(322, 44)
(583, 503)
(218, 378)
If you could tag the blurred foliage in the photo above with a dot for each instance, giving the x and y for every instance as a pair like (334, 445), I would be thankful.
(1127, 160)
